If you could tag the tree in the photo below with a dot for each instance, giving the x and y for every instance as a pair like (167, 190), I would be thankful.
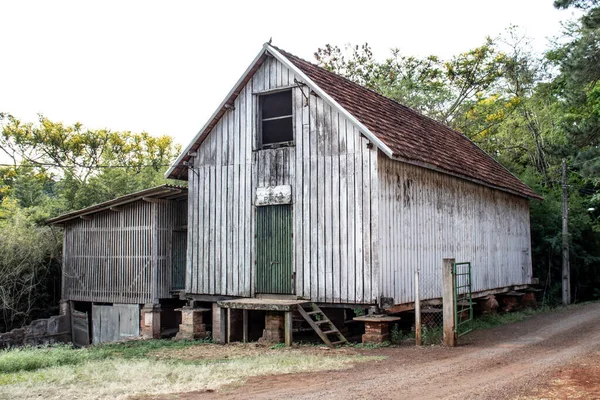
(440, 89)
(80, 166)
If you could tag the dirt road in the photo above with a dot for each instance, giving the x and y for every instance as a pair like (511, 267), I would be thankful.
(522, 360)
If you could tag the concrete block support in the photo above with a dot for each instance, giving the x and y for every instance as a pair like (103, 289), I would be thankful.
(150, 321)
(274, 327)
(377, 328)
(192, 325)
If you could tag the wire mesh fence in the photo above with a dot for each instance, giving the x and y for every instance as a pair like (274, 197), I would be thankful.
(429, 317)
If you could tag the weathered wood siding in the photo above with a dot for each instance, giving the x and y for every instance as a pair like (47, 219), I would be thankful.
(121, 256)
(333, 177)
(426, 216)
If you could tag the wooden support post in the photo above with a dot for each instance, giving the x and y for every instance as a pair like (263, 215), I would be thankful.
(448, 302)
(223, 323)
(288, 328)
(418, 332)
(245, 326)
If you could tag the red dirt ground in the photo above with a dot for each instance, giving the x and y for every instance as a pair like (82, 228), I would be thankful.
(549, 356)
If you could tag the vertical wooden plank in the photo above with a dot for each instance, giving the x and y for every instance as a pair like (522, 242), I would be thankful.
(418, 330)
(359, 212)
(248, 208)
(231, 224)
(343, 212)
(327, 205)
(374, 225)
(366, 221)
(306, 194)
(154, 253)
(352, 217)
(314, 243)
(335, 207)
(214, 227)
(272, 73)
(199, 269)
(321, 244)
(297, 191)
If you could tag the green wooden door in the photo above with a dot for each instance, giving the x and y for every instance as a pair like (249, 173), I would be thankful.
(274, 269)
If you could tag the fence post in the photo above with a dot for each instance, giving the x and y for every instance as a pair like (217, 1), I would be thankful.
(418, 332)
(448, 301)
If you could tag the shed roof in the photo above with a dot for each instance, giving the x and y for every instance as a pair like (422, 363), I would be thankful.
(399, 131)
(169, 192)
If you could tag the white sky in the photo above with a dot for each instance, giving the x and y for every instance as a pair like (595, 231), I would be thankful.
(163, 67)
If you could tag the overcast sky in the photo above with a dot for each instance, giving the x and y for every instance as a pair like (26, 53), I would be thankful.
(163, 67)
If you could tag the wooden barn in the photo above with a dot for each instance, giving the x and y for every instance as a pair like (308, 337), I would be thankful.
(305, 185)
(124, 263)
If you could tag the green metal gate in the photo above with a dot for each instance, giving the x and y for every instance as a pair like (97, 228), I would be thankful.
(274, 269)
(463, 298)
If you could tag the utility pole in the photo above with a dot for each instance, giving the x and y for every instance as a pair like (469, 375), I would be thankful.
(566, 269)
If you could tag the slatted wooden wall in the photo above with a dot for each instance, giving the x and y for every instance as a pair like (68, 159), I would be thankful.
(111, 257)
(426, 216)
(333, 177)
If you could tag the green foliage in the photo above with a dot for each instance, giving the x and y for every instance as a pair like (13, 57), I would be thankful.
(396, 335)
(77, 167)
(438, 88)
(29, 271)
(56, 169)
(432, 335)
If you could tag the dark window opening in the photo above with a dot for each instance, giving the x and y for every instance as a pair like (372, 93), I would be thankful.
(276, 119)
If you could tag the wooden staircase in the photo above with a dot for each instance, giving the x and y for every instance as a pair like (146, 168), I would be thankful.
(321, 324)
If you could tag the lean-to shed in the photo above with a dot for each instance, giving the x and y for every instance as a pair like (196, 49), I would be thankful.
(305, 184)
(123, 254)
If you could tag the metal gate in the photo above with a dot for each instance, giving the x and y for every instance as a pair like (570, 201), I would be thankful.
(80, 332)
(274, 269)
(463, 298)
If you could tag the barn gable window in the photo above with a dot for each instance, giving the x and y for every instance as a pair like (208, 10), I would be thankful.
(276, 127)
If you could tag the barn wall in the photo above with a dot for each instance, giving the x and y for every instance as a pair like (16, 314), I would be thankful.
(332, 174)
(426, 216)
(111, 257)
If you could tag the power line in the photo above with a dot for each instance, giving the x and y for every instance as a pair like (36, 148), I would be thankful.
(100, 166)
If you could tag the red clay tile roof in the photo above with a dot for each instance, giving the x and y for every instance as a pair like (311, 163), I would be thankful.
(410, 135)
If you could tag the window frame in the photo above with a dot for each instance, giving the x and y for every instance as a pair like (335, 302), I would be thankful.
(259, 129)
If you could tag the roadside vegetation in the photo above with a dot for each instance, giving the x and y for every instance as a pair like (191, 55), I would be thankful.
(152, 367)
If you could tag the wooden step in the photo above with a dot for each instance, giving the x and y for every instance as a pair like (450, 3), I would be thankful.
(315, 325)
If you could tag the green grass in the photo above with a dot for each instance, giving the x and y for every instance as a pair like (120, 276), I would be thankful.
(33, 358)
(492, 320)
(151, 367)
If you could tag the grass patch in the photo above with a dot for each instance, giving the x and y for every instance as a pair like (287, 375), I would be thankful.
(492, 320)
(151, 367)
(33, 358)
